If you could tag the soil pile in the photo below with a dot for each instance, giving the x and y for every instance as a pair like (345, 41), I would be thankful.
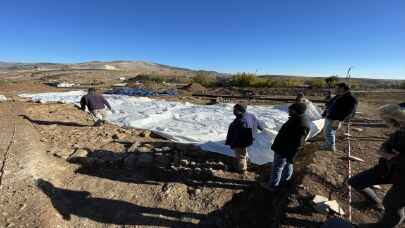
(194, 88)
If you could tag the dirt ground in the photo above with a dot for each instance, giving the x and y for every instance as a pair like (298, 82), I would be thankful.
(58, 170)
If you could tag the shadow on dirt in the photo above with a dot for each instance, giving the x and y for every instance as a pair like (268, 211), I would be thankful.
(113, 168)
(44, 122)
(250, 207)
(254, 207)
(82, 204)
(302, 210)
(369, 125)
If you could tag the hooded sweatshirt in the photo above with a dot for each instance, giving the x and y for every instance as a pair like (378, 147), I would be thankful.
(291, 137)
(93, 102)
(243, 130)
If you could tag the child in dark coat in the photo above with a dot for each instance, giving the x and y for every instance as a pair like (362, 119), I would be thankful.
(287, 143)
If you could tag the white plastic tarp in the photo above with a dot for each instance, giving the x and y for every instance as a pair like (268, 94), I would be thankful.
(206, 125)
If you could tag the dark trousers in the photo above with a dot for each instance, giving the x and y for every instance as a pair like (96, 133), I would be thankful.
(394, 202)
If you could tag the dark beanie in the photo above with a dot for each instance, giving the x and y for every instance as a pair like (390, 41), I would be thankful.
(240, 107)
(299, 108)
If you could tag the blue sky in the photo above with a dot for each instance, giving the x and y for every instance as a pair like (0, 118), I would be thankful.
(311, 37)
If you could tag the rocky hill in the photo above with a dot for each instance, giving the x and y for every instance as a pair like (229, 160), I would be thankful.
(130, 66)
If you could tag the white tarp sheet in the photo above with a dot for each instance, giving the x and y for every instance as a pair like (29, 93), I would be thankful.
(3, 98)
(205, 125)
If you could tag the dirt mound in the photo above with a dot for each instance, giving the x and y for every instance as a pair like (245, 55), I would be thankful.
(194, 87)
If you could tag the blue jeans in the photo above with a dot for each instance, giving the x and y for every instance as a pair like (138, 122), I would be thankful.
(282, 171)
(330, 133)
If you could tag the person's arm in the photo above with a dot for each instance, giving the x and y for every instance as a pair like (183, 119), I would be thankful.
(304, 131)
(351, 109)
(106, 103)
(387, 150)
(83, 104)
(261, 125)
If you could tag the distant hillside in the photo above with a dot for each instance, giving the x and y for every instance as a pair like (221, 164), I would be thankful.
(130, 66)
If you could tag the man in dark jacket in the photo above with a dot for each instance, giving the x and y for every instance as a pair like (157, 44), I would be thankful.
(342, 107)
(300, 98)
(241, 134)
(389, 170)
(289, 140)
(96, 105)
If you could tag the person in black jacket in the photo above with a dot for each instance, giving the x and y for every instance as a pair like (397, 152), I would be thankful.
(289, 140)
(340, 108)
(96, 105)
(389, 170)
(241, 134)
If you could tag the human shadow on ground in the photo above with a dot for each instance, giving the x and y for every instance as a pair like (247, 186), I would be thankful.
(253, 207)
(61, 123)
(303, 211)
(109, 211)
(155, 174)
(369, 125)
(296, 222)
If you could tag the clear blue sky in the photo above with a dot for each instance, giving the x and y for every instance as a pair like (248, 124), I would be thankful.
(316, 37)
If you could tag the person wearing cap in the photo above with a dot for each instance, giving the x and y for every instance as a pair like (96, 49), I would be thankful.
(340, 108)
(389, 170)
(300, 98)
(288, 142)
(241, 134)
(96, 104)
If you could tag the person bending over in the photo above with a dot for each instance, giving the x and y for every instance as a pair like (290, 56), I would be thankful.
(96, 104)
(389, 170)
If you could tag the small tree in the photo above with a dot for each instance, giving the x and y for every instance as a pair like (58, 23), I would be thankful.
(243, 80)
(157, 79)
(317, 83)
(204, 79)
(263, 83)
(331, 81)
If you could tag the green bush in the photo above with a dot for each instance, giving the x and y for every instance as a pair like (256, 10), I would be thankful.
(243, 80)
(279, 83)
(157, 79)
(332, 81)
(317, 83)
(294, 82)
(263, 83)
(204, 79)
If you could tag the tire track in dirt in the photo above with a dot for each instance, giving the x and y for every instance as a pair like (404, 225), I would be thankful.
(9, 129)
(23, 160)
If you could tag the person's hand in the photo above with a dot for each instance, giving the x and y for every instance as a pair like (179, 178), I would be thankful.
(336, 124)
(388, 156)
(269, 131)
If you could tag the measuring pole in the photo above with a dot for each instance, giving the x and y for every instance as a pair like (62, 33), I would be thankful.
(349, 168)
(349, 151)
